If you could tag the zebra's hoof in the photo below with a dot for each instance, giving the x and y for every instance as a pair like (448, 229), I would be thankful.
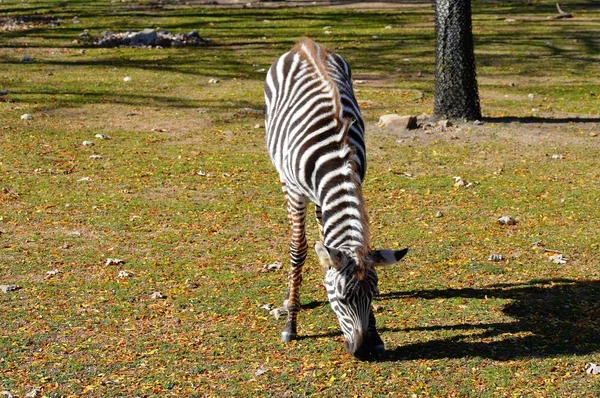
(286, 337)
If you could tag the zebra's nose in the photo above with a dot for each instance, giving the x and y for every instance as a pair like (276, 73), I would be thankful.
(358, 347)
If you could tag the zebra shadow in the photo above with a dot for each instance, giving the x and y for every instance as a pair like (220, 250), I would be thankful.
(550, 318)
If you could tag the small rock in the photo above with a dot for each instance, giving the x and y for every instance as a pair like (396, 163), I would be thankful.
(557, 156)
(478, 123)
(495, 257)
(213, 81)
(510, 20)
(114, 261)
(7, 394)
(124, 274)
(191, 285)
(9, 288)
(438, 214)
(87, 143)
(84, 179)
(127, 79)
(558, 259)
(33, 393)
(266, 307)
(398, 123)
(51, 273)
(75, 19)
(277, 312)
(388, 27)
(507, 220)
(96, 156)
(260, 371)
(459, 182)
(192, 34)
(27, 116)
(3, 92)
(444, 124)
(271, 267)
(103, 136)
(27, 60)
(258, 126)
(157, 295)
(592, 369)
(531, 96)
(593, 134)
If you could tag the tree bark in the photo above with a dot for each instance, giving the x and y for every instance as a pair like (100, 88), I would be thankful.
(456, 95)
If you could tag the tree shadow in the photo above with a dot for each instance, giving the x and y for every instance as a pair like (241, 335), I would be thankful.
(547, 120)
(551, 317)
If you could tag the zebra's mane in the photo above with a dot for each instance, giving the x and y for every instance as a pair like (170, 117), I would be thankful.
(316, 56)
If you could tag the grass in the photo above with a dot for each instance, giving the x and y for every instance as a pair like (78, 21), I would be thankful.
(454, 323)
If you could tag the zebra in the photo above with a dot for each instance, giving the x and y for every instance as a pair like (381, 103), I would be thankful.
(314, 136)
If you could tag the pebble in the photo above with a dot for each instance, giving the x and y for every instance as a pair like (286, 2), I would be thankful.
(507, 220)
(157, 295)
(213, 81)
(124, 274)
(26, 59)
(8, 288)
(459, 182)
(114, 261)
(558, 259)
(103, 136)
(96, 156)
(127, 79)
(495, 257)
(87, 143)
(27, 116)
(439, 214)
(51, 273)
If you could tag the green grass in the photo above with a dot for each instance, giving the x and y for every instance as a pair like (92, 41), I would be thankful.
(454, 323)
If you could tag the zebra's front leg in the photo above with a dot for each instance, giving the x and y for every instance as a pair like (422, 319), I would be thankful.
(298, 250)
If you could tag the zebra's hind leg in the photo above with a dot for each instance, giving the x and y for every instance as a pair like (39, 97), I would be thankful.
(298, 250)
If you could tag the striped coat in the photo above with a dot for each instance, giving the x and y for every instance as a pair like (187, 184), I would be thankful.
(315, 138)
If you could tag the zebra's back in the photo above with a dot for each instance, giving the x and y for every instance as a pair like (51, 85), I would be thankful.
(313, 123)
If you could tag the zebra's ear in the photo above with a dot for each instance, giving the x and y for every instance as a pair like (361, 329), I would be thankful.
(328, 257)
(387, 257)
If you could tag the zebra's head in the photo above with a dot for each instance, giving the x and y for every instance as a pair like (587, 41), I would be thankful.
(351, 282)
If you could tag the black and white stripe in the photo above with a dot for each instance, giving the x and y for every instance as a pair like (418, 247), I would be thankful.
(314, 134)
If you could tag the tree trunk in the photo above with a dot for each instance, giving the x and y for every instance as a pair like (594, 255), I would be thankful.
(456, 95)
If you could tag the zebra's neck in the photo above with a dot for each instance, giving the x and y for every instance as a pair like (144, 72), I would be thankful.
(345, 223)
